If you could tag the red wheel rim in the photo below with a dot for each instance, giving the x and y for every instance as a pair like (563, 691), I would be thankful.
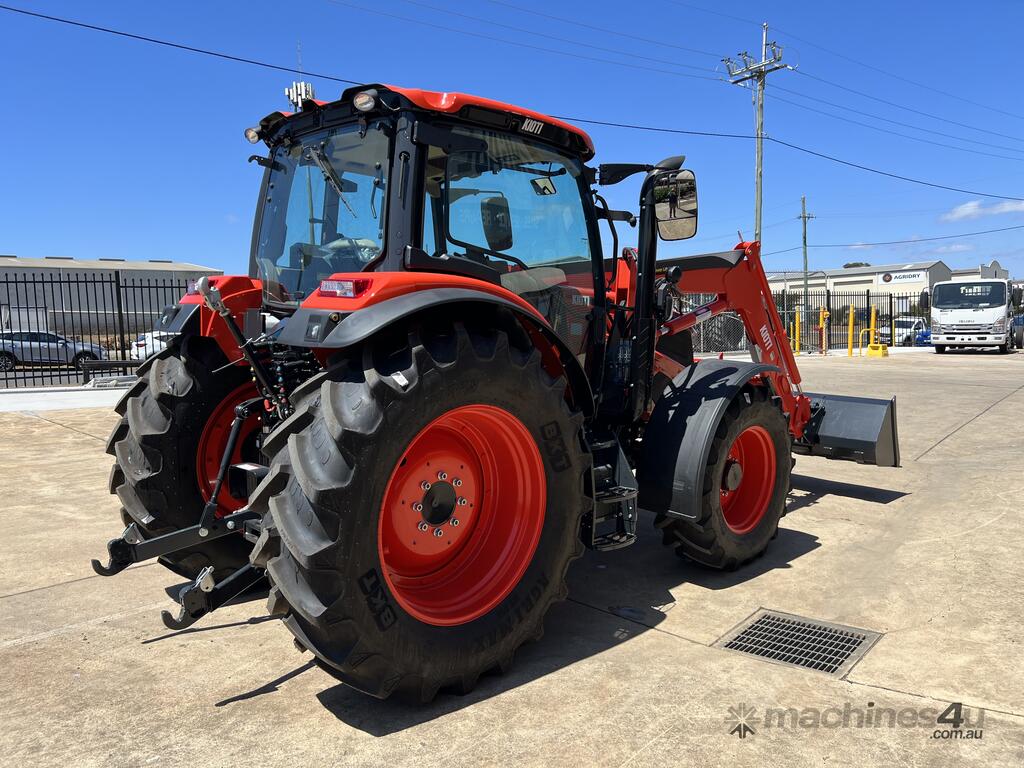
(751, 462)
(214, 440)
(462, 515)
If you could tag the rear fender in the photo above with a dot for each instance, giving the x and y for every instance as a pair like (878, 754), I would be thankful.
(321, 329)
(677, 440)
(240, 294)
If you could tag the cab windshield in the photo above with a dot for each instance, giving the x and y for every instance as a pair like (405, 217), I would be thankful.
(324, 210)
(969, 295)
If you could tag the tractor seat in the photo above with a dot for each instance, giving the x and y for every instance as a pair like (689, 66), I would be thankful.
(720, 260)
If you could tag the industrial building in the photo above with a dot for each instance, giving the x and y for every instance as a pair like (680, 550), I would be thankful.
(89, 297)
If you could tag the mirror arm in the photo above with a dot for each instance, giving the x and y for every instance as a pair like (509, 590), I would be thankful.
(610, 215)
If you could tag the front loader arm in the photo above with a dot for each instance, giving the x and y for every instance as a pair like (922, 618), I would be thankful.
(740, 284)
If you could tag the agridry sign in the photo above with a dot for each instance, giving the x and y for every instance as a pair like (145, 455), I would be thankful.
(898, 278)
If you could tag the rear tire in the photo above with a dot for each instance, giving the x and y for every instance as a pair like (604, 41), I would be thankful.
(940, 349)
(155, 475)
(7, 362)
(358, 572)
(735, 526)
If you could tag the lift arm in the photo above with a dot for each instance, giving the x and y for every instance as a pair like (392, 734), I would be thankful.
(739, 283)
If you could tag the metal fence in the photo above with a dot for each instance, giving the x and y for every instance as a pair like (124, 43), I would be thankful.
(58, 328)
(898, 318)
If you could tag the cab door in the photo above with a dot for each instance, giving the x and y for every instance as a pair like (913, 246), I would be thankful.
(521, 209)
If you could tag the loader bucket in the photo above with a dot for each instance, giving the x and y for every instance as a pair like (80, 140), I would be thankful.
(861, 429)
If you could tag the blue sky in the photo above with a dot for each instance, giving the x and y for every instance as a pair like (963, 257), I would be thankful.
(122, 149)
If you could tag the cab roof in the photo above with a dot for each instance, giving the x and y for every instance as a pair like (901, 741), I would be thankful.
(477, 109)
(443, 101)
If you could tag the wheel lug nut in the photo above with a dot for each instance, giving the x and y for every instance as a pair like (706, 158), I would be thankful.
(455, 522)
(422, 526)
(438, 532)
(417, 507)
(462, 501)
(456, 482)
(442, 475)
(425, 485)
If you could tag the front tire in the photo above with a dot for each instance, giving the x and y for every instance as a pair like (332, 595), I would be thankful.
(7, 362)
(940, 349)
(746, 479)
(438, 422)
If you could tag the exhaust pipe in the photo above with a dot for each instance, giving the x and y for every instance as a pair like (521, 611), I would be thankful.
(861, 429)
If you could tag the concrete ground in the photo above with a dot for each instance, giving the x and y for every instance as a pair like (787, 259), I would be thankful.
(928, 555)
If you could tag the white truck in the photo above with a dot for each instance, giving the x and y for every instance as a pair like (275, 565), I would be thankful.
(975, 313)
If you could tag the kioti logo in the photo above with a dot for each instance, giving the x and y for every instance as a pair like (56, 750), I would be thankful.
(532, 126)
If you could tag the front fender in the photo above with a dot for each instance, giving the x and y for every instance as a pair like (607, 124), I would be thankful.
(678, 436)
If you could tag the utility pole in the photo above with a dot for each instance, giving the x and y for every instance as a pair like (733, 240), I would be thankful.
(757, 72)
(804, 216)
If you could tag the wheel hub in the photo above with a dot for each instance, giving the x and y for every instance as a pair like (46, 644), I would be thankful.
(748, 479)
(462, 515)
(439, 503)
(733, 475)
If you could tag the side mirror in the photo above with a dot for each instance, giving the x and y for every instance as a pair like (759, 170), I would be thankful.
(675, 204)
(925, 301)
(1018, 295)
(497, 223)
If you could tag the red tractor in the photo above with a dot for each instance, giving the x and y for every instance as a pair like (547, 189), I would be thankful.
(435, 389)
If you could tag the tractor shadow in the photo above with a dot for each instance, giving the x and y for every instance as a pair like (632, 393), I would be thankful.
(808, 491)
(613, 598)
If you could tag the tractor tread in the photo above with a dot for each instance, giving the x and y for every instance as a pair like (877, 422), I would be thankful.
(340, 417)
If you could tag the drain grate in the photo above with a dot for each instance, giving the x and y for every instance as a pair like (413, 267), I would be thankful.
(801, 642)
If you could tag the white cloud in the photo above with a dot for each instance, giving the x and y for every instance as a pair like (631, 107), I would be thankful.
(975, 209)
(954, 248)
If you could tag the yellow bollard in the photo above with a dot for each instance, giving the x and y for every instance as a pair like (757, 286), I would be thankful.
(792, 343)
(798, 333)
(849, 342)
(874, 320)
(823, 316)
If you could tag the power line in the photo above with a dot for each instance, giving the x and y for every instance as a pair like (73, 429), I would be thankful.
(893, 75)
(901, 242)
(850, 59)
(862, 113)
(535, 33)
(851, 121)
(887, 173)
(920, 239)
(254, 62)
(604, 30)
(908, 109)
(502, 40)
(653, 129)
(178, 46)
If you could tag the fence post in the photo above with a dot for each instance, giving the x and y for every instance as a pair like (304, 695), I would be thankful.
(892, 322)
(122, 341)
(828, 314)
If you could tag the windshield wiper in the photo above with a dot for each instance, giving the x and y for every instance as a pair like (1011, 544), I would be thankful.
(316, 154)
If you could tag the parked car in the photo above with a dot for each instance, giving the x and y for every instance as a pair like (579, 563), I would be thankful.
(907, 331)
(149, 343)
(41, 347)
